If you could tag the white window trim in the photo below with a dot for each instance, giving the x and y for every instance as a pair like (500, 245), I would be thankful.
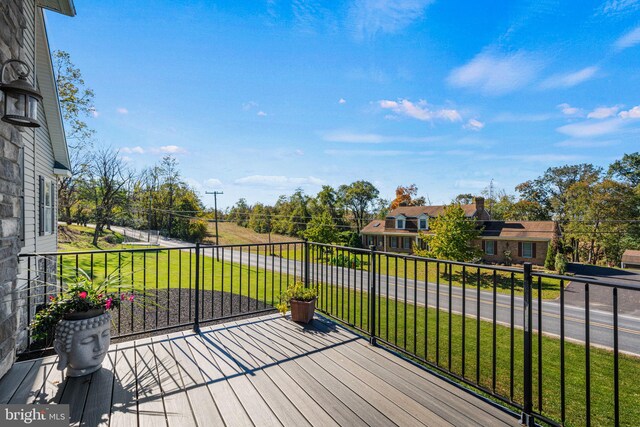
(493, 245)
(404, 222)
(48, 211)
(423, 217)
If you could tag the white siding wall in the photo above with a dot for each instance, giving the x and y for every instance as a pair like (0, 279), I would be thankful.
(38, 158)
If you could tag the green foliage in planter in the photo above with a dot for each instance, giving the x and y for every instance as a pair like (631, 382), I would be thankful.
(80, 294)
(296, 292)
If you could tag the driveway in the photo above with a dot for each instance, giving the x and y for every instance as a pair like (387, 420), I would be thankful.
(601, 297)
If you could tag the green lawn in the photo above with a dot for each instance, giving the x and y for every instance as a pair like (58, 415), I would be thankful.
(161, 269)
(391, 328)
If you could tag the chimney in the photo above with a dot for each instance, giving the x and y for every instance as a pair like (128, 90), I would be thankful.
(479, 202)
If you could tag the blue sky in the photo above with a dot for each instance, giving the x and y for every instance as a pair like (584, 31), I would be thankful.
(259, 97)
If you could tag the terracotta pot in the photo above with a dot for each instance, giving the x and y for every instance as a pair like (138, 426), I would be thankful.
(302, 311)
(82, 344)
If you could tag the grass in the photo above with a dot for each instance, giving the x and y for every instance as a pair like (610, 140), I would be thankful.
(429, 334)
(233, 234)
(445, 332)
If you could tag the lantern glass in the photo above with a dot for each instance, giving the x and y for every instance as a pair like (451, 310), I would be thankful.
(32, 112)
(14, 104)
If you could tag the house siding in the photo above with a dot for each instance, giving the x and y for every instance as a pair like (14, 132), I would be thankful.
(25, 154)
(16, 42)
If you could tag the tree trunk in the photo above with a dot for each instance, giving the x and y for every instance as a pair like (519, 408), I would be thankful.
(96, 234)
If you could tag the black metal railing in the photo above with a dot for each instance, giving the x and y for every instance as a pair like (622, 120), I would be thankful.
(514, 335)
(176, 287)
(506, 332)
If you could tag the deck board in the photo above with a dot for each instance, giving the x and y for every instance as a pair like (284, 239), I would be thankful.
(252, 372)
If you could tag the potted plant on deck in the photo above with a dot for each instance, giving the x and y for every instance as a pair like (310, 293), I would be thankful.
(79, 320)
(302, 301)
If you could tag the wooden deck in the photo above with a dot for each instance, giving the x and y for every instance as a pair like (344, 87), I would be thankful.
(258, 372)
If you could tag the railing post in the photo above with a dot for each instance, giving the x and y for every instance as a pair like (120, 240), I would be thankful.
(526, 418)
(372, 295)
(306, 263)
(196, 315)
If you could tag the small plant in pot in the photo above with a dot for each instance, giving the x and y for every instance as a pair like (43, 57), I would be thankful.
(301, 300)
(79, 320)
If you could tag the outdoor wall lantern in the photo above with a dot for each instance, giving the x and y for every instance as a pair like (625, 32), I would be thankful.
(20, 98)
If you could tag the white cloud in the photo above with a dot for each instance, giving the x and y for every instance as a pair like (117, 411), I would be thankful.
(591, 129)
(298, 152)
(628, 40)
(261, 113)
(474, 124)
(619, 7)
(213, 183)
(278, 181)
(249, 105)
(419, 110)
(633, 113)
(122, 110)
(372, 138)
(342, 101)
(171, 149)
(126, 159)
(94, 113)
(603, 112)
(371, 17)
(493, 73)
(568, 110)
(585, 143)
(569, 79)
(544, 158)
(132, 150)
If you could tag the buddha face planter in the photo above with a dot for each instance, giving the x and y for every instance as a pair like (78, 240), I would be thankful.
(82, 344)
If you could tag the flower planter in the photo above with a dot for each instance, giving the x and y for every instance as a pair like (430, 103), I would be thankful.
(302, 311)
(82, 340)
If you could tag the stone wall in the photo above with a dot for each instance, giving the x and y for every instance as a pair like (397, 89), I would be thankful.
(12, 26)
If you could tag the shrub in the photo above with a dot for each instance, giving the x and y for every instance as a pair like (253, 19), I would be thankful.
(561, 263)
(550, 260)
(197, 230)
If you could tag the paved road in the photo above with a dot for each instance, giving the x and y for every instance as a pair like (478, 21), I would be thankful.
(410, 291)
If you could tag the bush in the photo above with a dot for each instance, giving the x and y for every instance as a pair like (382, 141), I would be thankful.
(296, 292)
(197, 230)
(561, 264)
(550, 260)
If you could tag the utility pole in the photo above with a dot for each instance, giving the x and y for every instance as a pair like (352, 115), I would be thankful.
(215, 210)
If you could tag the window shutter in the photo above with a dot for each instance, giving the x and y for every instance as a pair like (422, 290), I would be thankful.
(519, 248)
(54, 223)
(495, 247)
(41, 218)
(483, 246)
(533, 250)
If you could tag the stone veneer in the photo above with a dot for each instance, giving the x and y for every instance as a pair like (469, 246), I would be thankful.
(12, 26)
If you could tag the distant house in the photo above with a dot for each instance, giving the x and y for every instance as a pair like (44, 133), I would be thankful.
(399, 230)
(522, 241)
(31, 159)
(630, 259)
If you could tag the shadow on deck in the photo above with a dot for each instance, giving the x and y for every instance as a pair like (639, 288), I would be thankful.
(261, 371)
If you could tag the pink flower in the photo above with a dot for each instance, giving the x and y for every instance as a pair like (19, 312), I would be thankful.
(122, 297)
(82, 294)
(50, 297)
(131, 297)
(107, 305)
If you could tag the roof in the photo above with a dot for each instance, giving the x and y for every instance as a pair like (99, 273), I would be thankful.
(49, 91)
(631, 257)
(520, 229)
(65, 7)
(375, 226)
(432, 211)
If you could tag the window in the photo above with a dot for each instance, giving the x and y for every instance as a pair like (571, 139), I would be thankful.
(406, 242)
(527, 250)
(47, 220)
(400, 223)
(423, 223)
(490, 247)
(393, 241)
